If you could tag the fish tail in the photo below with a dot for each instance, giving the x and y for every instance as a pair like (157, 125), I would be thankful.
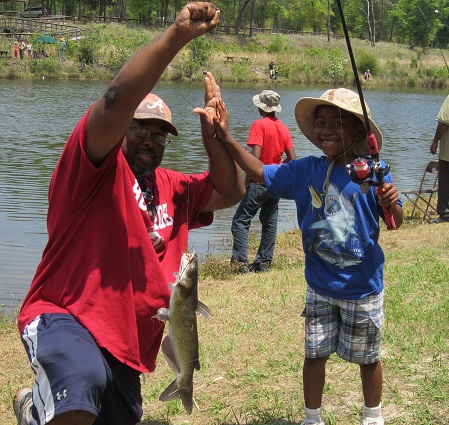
(173, 391)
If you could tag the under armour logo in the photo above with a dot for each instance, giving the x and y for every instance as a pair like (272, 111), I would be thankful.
(60, 396)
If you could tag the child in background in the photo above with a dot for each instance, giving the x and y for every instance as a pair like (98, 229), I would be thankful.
(340, 230)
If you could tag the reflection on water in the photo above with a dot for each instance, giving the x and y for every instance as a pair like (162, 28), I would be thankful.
(38, 116)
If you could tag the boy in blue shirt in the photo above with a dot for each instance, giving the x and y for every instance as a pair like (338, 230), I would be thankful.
(340, 230)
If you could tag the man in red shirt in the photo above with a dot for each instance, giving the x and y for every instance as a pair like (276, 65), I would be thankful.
(269, 139)
(117, 224)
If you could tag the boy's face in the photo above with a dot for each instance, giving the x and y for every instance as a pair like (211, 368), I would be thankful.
(335, 131)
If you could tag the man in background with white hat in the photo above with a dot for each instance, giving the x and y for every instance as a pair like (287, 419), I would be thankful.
(269, 139)
(117, 225)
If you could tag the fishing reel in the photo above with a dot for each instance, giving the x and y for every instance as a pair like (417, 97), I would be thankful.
(366, 172)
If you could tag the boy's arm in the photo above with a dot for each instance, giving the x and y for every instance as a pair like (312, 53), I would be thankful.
(249, 163)
(224, 174)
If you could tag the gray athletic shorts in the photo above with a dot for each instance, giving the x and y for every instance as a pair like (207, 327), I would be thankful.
(72, 373)
(350, 328)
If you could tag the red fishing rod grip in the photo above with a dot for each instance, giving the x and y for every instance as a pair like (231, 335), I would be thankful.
(372, 143)
(388, 217)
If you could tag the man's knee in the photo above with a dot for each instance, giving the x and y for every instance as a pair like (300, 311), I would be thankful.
(77, 417)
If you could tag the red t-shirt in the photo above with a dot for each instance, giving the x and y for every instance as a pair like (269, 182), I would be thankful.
(100, 264)
(274, 138)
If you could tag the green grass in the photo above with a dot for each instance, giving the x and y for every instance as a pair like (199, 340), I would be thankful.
(251, 349)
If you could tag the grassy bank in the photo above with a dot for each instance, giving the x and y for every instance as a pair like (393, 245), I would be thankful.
(251, 350)
(300, 59)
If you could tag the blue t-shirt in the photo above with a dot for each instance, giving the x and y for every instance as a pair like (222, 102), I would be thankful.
(340, 229)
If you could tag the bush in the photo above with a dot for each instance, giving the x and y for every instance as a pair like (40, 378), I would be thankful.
(367, 60)
(277, 45)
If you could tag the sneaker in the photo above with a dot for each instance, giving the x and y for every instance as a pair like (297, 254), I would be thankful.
(261, 267)
(436, 220)
(372, 421)
(22, 406)
(312, 422)
(440, 219)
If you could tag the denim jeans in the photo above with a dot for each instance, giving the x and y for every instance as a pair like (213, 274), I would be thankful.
(256, 198)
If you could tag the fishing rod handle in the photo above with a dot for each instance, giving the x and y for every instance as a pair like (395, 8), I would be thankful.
(388, 216)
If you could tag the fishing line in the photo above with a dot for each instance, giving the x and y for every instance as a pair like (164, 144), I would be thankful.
(204, 72)
(435, 39)
(370, 136)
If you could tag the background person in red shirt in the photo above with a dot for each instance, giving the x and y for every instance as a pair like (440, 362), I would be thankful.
(269, 139)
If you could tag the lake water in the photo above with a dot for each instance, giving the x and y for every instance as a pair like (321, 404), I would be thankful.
(36, 118)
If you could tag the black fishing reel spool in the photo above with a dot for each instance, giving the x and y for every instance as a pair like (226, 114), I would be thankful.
(363, 170)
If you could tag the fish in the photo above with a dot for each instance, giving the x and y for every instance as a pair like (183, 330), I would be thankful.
(316, 198)
(180, 346)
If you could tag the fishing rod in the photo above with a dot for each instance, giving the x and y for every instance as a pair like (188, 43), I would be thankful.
(435, 39)
(359, 170)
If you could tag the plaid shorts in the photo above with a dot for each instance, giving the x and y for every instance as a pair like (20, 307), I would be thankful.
(350, 328)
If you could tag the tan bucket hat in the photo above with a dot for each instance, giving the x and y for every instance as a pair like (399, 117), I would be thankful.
(153, 107)
(268, 101)
(344, 99)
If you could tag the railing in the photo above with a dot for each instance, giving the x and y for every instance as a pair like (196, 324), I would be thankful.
(56, 26)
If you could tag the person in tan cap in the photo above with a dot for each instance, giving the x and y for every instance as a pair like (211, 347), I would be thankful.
(340, 231)
(118, 225)
(269, 139)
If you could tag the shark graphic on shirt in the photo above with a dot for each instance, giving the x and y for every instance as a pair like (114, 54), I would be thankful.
(335, 239)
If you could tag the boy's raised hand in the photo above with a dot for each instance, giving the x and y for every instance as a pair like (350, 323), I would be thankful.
(207, 114)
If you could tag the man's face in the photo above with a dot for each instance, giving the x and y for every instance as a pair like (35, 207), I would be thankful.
(142, 152)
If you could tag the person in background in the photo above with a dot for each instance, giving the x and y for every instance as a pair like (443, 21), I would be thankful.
(16, 49)
(367, 75)
(22, 47)
(29, 50)
(269, 139)
(63, 49)
(118, 225)
(339, 223)
(442, 135)
(271, 66)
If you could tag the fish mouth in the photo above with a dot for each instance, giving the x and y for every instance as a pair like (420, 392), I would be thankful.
(188, 264)
(332, 205)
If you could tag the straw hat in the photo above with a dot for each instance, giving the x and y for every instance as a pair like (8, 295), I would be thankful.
(342, 98)
(268, 101)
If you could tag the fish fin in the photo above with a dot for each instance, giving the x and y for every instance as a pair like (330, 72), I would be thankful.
(171, 286)
(187, 400)
(173, 391)
(203, 310)
(162, 314)
(169, 354)
(197, 365)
